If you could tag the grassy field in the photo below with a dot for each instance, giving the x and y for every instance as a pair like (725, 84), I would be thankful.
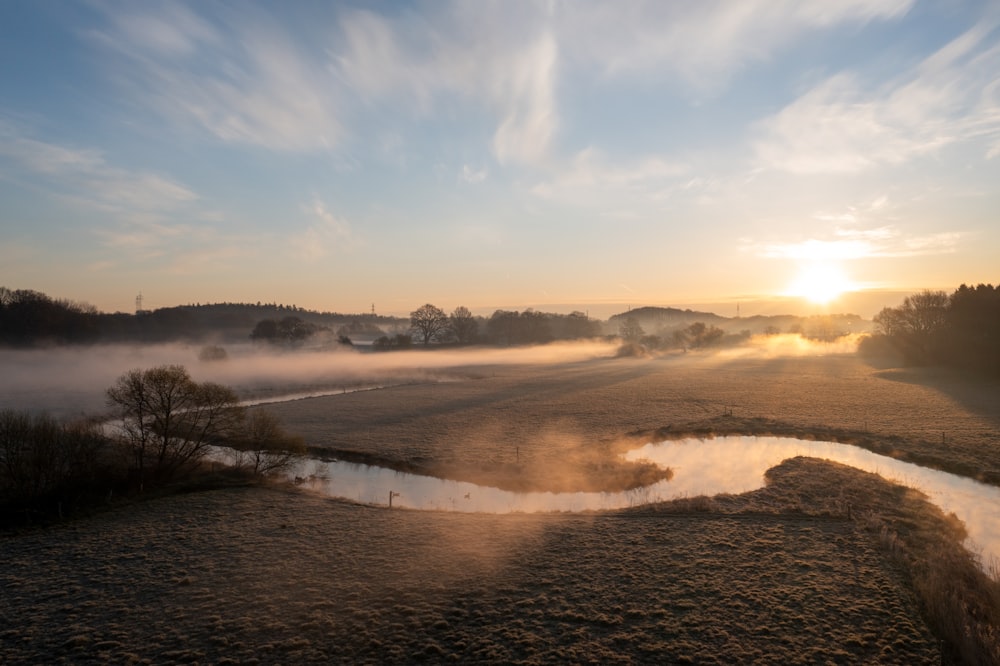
(557, 427)
(784, 574)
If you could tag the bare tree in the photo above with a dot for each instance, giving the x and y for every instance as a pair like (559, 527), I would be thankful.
(429, 321)
(916, 327)
(464, 325)
(262, 445)
(920, 315)
(168, 420)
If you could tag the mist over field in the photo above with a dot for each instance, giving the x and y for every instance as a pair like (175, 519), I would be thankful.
(70, 381)
(790, 345)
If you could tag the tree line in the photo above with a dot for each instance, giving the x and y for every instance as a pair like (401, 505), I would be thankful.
(932, 327)
(429, 323)
(30, 318)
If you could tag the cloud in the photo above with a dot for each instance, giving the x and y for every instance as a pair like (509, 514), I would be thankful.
(326, 234)
(138, 208)
(471, 175)
(475, 53)
(85, 176)
(842, 126)
(173, 31)
(143, 235)
(705, 43)
(529, 121)
(591, 178)
(242, 77)
(250, 83)
(851, 244)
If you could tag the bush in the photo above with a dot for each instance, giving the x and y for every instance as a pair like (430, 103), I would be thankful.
(262, 447)
(49, 467)
(212, 353)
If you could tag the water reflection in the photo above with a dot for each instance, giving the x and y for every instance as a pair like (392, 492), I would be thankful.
(737, 465)
(701, 467)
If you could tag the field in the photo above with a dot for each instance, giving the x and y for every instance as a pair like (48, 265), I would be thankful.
(265, 574)
(554, 427)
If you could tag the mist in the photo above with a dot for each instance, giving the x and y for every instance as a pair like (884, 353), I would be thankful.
(71, 381)
(788, 345)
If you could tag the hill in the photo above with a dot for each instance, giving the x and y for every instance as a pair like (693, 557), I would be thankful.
(664, 320)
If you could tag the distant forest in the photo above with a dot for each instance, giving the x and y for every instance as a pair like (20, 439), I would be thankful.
(30, 318)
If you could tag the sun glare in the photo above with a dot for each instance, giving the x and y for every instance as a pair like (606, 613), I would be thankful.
(820, 283)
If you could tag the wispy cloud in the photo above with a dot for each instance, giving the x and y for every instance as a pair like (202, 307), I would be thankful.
(478, 55)
(470, 174)
(591, 177)
(248, 83)
(705, 43)
(86, 176)
(139, 209)
(324, 235)
(243, 79)
(844, 126)
(529, 121)
(851, 244)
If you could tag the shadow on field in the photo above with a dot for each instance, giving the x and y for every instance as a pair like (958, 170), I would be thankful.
(979, 395)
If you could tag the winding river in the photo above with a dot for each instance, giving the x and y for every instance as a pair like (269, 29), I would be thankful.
(701, 467)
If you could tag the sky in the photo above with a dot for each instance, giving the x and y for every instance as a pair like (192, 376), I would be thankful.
(555, 155)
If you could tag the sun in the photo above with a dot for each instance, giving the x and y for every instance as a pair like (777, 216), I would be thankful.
(820, 283)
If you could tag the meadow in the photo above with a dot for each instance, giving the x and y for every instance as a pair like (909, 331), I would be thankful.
(789, 573)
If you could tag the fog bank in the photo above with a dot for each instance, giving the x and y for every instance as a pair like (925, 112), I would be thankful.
(70, 381)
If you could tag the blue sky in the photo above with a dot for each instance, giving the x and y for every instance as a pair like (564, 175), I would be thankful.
(555, 155)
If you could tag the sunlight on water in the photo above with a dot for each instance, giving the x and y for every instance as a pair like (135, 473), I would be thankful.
(737, 464)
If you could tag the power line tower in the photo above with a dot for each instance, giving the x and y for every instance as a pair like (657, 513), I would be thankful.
(138, 303)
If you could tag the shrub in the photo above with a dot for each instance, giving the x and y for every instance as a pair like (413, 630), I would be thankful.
(50, 467)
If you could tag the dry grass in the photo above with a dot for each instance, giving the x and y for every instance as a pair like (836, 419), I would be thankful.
(824, 565)
(247, 574)
(957, 598)
(544, 427)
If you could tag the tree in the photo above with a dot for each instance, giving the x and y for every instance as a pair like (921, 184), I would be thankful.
(290, 330)
(915, 327)
(698, 334)
(577, 325)
(920, 315)
(631, 330)
(429, 321)
(973, 332)
(502, 327)
(168, 420)
(263, 446)
(265, 330)
(464, 325)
